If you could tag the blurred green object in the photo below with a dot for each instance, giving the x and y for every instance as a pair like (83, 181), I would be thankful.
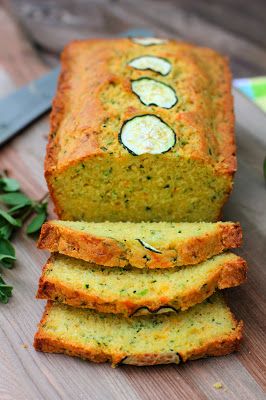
(254, 89)
(264, 168)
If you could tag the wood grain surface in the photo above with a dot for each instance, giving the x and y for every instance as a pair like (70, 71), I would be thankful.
(26, 375)
(234, 27)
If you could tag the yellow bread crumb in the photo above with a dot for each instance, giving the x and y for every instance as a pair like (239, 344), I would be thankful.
(218, 385)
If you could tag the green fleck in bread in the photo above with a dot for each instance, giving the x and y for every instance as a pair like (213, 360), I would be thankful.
(132, 291)
(125, 148)
(150, 245)
(208, 329)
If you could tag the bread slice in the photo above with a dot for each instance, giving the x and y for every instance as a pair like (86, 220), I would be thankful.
(132, 291)
(150, 245)
(208, 329)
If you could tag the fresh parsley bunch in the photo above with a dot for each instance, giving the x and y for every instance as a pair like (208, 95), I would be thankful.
(15, 208)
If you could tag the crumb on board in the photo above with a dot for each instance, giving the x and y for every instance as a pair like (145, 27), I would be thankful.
(217, 385)
(24, 345)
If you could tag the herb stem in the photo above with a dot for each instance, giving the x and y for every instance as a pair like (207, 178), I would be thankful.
(17, 207)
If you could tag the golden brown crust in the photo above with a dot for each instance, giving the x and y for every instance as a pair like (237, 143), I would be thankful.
(98, 53)
(112, 253)
(218, 347)
(233, 273)
(224, 120)
(56, 238)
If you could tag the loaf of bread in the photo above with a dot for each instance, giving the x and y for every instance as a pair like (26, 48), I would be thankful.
(208, 329)
(133, 291)
(146, 244)
(141, 131)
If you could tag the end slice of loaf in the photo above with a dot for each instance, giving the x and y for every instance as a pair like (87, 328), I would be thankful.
(150, 245)
(208, 329)
(132, 291)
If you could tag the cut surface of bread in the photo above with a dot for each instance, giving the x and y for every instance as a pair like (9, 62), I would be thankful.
(119, 154)
(208, 329)
(132, 291)
(150, 245)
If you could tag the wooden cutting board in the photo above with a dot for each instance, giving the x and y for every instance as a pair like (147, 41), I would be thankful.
(26, 375)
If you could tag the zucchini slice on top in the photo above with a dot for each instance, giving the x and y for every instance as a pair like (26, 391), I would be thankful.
(153, 63)
(154, 93)
(148, 41)
(147, 134)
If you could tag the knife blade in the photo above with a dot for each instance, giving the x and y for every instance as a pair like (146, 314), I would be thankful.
(31, 101)
(26, 104)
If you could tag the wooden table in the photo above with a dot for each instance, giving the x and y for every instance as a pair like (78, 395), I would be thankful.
(234, 27)
(25, 374)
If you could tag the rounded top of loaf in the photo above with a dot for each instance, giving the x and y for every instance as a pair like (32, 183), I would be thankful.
(94, 99)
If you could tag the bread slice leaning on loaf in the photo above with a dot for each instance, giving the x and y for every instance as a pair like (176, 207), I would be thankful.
(141, 133)
(132, 291)
(149, 245)
(208, 329)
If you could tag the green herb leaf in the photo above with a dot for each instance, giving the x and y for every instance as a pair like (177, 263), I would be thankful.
(7, 261)
(8, 218)
(9, 184)
(7, 253)
(142, 292)
(5, 291)
(264, 168)
(6, 230)
(40, 207)
(36, 222)
(15, 199)
(17, 208)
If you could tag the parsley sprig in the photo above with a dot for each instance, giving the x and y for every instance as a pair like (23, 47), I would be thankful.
(15, 209)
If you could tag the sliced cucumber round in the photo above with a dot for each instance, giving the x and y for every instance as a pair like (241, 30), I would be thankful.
(152, 63)
(154, 93)
(148, 41)
(149, 246)
(147, 134)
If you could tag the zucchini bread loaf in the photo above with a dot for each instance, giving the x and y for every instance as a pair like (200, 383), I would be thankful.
(141, 245)
(208, 329)
(141, 131)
